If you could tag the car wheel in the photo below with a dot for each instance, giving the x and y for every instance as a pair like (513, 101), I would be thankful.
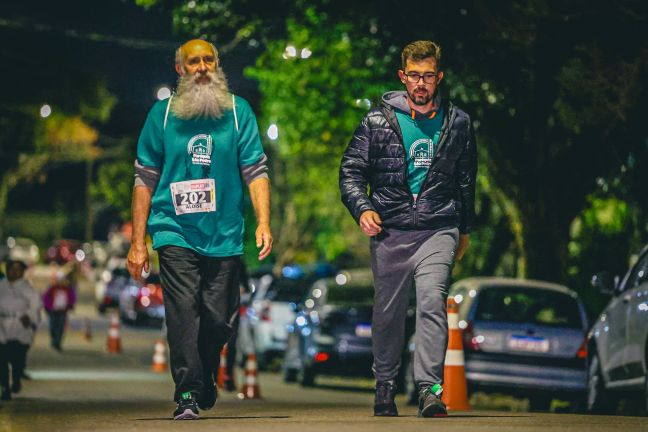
(410, 385)
(540, 403)
(306, 377)
(599, 401)
(290, 375)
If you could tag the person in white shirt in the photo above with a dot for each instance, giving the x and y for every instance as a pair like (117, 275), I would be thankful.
(19, 318)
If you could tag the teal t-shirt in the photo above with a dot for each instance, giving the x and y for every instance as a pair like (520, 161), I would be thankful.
(207, 149)
(420, 136)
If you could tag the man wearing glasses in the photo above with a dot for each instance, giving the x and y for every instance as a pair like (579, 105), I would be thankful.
(408, 178)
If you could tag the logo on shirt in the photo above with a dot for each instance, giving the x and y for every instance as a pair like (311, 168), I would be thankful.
(200, 149)
(421, 152)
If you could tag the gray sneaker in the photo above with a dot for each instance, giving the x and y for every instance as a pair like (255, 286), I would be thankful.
(430, 403)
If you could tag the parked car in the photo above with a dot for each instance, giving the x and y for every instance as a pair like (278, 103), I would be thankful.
(142, 303)
(273, 308)
(112, 281)
(524, 338)
(618, 341)
(22, 249)
(331, 334)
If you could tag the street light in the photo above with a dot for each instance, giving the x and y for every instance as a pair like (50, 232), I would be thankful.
(45, 111)
(163, 93)
(273, 132)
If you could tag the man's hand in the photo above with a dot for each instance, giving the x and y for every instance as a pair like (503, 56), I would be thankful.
(370, 223)
(264, 238)
(462, 247)
(137, 260)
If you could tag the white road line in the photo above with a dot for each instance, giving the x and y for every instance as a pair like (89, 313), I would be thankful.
(95, 375)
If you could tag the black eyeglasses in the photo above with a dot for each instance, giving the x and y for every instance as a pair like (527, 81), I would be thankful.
(428, 78)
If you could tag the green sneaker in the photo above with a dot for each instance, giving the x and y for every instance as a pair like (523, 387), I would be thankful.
(430, 403)
(187, 408)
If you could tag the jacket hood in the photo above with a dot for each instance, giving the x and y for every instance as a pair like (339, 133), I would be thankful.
(397, 99)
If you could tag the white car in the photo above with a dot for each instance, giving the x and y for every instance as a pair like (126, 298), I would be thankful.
(273, 308)
(618, 341)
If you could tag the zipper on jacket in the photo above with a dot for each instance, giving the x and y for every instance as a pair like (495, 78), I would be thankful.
(388, 112)
(445, 131)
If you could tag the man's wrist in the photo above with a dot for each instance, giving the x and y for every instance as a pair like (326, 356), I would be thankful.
(138, 244)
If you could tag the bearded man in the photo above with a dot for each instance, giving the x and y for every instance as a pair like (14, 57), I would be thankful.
(194, 152)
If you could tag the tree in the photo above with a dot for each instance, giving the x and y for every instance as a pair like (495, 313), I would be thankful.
(57, 138)
(314, 86)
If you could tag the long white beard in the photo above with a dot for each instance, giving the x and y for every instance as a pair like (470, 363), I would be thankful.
(209, 100)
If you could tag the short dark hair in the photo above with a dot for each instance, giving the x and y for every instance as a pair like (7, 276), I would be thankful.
(419, 50)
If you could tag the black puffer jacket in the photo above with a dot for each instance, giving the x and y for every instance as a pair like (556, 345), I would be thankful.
(373, 172)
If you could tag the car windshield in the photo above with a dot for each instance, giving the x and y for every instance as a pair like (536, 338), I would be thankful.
(287, 290)
(533, 306)
(350, 295)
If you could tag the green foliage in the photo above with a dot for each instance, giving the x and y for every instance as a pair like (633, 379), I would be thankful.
(601, 239)
(316, 102)
(114, 186)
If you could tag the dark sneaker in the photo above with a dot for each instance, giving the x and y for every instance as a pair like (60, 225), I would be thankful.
(430, 403)
(16, 387)
(384, 405)
(187, 408)
(209, 396)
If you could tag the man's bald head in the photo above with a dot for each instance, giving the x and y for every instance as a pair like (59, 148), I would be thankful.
(196, 56)
(181, 52)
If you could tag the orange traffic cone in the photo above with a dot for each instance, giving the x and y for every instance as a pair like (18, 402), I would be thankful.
(455, 389)
(159, 356)
(87, 330)
(114, 339)
(250, 388)
(222, 369)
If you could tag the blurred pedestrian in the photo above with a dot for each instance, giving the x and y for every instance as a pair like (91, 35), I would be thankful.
(19, 318)
(58, 300)
(194, 153)
(416, 155)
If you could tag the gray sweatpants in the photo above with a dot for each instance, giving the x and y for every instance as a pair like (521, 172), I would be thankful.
(400, 259)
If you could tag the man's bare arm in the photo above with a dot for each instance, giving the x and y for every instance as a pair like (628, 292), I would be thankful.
(138, 254)
(260, 196)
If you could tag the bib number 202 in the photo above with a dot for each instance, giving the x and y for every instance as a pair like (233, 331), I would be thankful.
(193, 198)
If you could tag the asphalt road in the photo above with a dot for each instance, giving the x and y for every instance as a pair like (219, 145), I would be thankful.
(85, 388)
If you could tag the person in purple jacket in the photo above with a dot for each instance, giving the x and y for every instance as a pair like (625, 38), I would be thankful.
(58, 300)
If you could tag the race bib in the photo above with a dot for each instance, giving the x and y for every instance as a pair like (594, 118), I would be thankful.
(60, 302)
(194, 196)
